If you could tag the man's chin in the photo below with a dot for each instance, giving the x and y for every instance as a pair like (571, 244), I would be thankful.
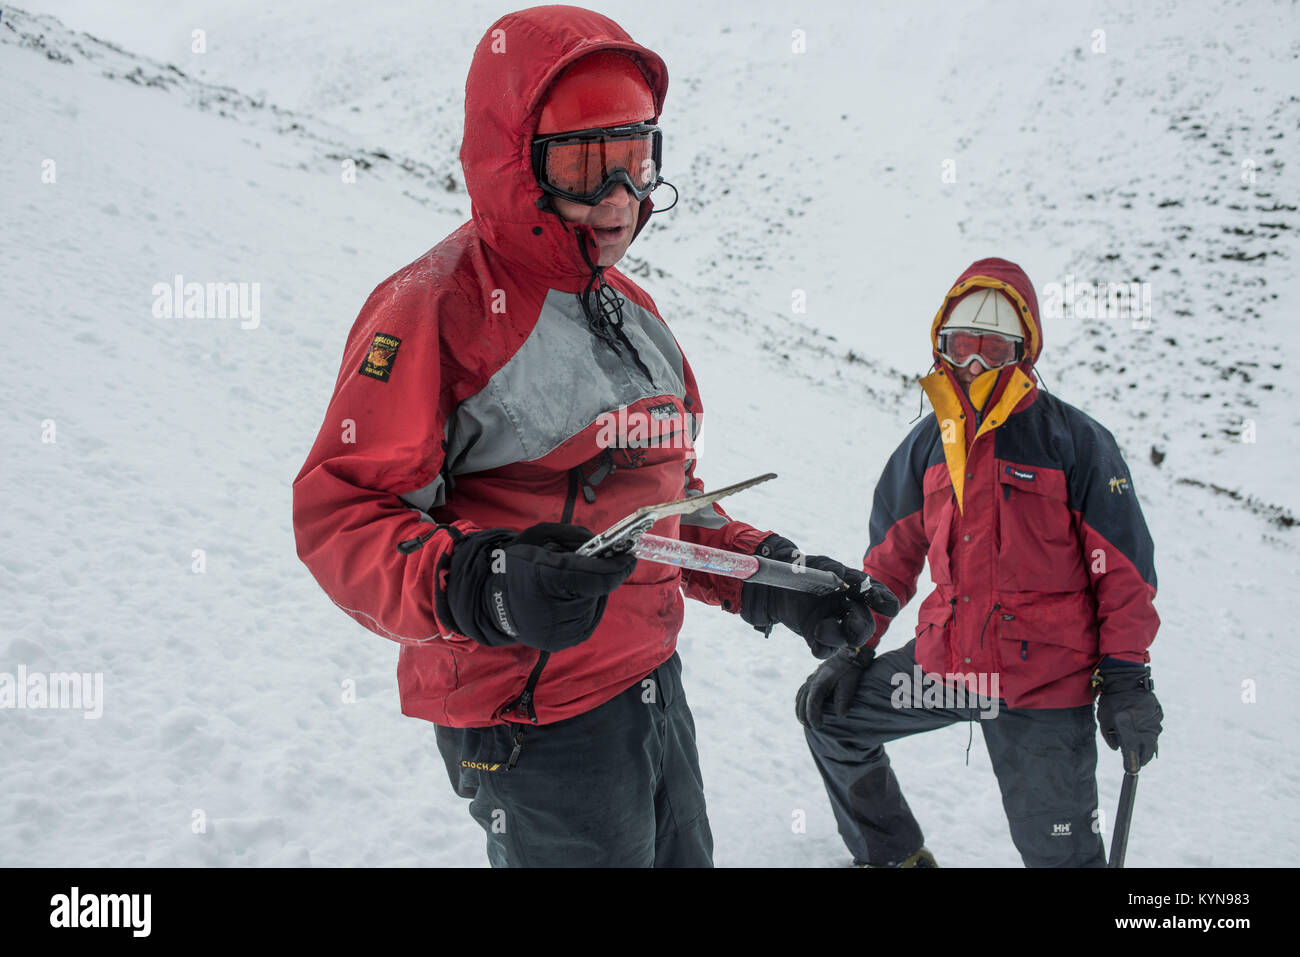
(611, 256)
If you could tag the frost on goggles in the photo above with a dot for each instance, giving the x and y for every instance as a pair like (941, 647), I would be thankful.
(585, 166)
(961, 347)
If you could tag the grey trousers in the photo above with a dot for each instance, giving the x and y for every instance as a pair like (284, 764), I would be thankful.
(618, 786)
(1045, 761)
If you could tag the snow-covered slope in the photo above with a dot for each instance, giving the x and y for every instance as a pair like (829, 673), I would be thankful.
(821, 171)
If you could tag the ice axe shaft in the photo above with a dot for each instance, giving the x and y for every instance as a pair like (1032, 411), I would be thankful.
(751, 568)
(1123, 815)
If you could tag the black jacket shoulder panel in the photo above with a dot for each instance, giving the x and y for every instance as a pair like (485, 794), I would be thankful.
(900, 490)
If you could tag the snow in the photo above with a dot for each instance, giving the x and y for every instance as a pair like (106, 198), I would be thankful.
(242, 698)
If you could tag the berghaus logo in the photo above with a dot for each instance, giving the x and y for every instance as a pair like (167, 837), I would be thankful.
(1020, 474)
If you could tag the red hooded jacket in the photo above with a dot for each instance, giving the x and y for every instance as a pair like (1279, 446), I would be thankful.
(1040, 556)
(474, 394)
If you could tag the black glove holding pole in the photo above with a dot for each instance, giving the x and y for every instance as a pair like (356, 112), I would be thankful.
(1127, 711)
(529, 587)
(826, 622)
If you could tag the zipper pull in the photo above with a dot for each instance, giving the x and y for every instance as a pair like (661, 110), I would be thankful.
(1024, 651)
(603, 470)
(519, 747)
(524, 706)
(598, 475)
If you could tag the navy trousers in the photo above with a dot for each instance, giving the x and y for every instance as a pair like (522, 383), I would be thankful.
(1045, 761)
(618, 786)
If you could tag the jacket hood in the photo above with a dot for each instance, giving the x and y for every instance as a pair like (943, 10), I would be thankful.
(1005, 277)
(513, 68)
(1002, 391)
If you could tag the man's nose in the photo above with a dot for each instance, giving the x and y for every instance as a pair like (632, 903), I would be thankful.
(619, 196)
(975, 367)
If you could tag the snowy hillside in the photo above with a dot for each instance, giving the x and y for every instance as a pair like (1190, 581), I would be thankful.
(147, 460)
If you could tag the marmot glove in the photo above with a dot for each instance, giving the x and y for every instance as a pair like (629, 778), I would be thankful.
(826, 622)
(836, 678)
(530, 587)
(1128, 713)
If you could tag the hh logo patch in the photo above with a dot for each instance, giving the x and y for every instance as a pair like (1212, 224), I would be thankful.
(378, 363)
(1020, 474)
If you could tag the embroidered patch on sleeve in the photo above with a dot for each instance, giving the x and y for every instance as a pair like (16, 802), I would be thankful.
(378, 363)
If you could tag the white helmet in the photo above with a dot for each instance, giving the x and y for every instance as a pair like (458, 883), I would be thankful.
(985, 310)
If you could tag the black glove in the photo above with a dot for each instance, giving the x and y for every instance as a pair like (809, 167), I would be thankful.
(530, 587)
(1128, 713)
(826, 622)
(837, 678)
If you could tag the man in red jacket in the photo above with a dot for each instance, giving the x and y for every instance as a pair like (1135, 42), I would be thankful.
(1044, 581)
(501, 396)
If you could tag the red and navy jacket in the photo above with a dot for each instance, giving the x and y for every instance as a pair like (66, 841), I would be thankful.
(473, 393)
(1026, 512)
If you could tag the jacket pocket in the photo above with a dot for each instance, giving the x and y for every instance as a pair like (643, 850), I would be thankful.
(931, 625)
(523, 706)
(1039, 548)
(1047, 646)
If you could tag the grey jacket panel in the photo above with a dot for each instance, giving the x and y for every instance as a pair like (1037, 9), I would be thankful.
(560, 381)
(706, 517)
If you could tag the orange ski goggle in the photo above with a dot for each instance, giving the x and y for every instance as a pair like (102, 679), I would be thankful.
(586, 165)
(961, 347)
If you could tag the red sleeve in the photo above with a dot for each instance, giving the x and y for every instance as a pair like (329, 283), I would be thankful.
(382, 438)
(899, 544)
(1118, 551)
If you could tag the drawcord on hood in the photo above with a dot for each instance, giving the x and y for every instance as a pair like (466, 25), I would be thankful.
(603, 307)
(920, 399)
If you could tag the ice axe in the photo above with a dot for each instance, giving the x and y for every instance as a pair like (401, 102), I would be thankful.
(631, 534)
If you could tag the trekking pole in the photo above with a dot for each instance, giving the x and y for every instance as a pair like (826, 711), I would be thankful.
(1123, 815)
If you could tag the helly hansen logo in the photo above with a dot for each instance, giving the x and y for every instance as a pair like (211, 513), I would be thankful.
(1020, 474)
(1119, 485)
(378, 363)
(1061, 830)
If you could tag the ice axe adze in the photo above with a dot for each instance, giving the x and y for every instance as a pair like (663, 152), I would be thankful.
(631, 535)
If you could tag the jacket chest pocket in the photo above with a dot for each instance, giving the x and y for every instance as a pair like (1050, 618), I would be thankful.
(1039, 547)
